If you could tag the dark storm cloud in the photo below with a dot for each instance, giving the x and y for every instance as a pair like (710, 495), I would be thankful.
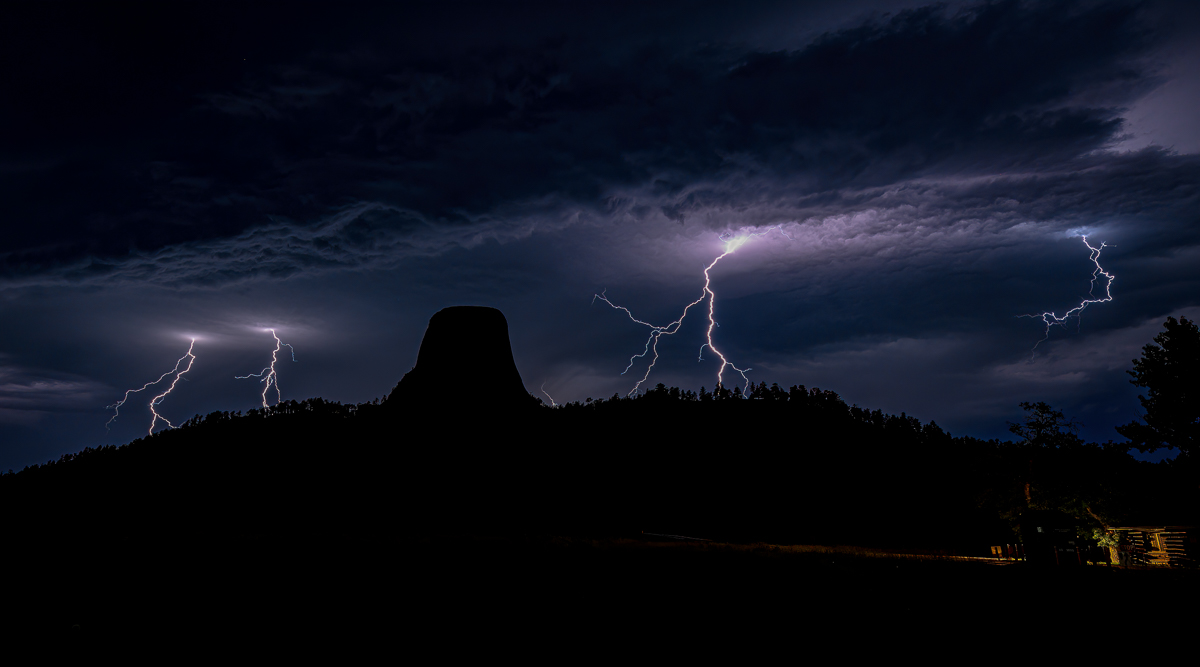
(342, 172)
(27, 395)
(350, 151)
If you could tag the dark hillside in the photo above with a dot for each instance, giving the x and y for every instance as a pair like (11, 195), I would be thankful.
(310, 515)
(795, 467)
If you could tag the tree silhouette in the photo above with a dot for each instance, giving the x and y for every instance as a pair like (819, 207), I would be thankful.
(1169, 369)
(1045, 427)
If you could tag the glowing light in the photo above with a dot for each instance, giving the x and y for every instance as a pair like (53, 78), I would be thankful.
(116, 407)
(1050, 319)
(268, 374)
(732, 243)
(552, 403)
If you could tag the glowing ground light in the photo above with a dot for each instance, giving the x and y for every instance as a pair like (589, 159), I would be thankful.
(1050, 319)
(732, 243)
(116, 407)
(268, 375)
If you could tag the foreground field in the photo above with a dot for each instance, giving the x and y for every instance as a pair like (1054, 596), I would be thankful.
(465, 593)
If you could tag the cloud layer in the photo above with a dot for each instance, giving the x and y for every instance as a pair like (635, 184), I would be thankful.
(932, 168)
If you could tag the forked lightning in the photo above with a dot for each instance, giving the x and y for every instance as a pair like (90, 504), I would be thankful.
(1050, 319)
(268, 375)
(732, 243)
(116, 407)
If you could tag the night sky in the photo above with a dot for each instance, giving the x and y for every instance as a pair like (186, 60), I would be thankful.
(341, 171)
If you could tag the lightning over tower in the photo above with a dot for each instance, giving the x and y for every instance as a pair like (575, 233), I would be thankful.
(116, 407)
(1050, 319)
(732, 243)
(268, 375)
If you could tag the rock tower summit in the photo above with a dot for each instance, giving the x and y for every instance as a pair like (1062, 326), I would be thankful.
(465, 359)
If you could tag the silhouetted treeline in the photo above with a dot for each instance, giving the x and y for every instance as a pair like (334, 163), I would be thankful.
(796, 465)
(801, 465)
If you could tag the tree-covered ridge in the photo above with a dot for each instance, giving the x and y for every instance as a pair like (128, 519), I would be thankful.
(794, 465)
(319, 407)
(798, 401)
(797, 465)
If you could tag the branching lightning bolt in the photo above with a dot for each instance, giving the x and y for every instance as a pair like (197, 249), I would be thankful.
(268, 375)
(116, 407)
(1050, 319)
(732, 243)
(552, 403)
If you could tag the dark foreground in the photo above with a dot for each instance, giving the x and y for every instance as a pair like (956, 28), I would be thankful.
(471, 595)
(291, 530)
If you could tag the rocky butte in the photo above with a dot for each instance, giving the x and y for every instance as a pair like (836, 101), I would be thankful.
(465, 361)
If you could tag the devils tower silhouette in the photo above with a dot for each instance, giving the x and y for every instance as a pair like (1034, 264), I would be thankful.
(465, 357)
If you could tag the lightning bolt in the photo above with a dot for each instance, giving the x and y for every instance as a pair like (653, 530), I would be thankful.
(268, 374)
(732, 243)
(1050, 319)
(116, 407)
(552, 403)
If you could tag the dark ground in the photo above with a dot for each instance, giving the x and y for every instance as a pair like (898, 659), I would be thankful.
(470, 595)
(293, 533)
